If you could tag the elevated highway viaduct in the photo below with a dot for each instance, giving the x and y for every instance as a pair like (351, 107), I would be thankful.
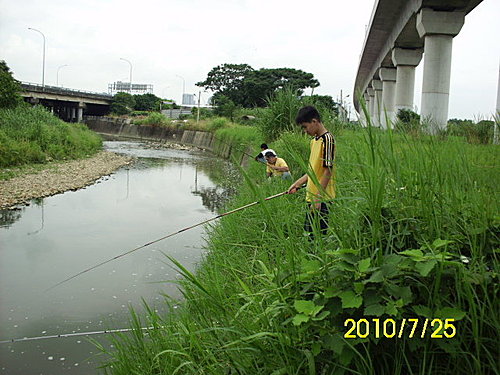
(69, 105)
(399, 34)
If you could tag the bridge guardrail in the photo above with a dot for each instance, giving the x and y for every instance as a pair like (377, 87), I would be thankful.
(62, 90)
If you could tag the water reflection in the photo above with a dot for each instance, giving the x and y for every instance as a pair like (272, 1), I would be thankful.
(9, 217)
(59, 236)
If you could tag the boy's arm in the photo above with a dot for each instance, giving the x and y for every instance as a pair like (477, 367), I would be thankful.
(281, 166)
(301, 181)
(280, 169)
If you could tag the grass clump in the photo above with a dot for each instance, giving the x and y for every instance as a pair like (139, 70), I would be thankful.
(153, 119)
(33, 135)
(217, 123)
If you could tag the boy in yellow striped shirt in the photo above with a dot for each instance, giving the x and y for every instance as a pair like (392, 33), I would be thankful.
(320, 181)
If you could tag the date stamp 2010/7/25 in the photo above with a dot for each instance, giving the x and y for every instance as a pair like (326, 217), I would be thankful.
(390, 328)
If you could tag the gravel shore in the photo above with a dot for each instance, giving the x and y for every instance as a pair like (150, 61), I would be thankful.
(58, 178)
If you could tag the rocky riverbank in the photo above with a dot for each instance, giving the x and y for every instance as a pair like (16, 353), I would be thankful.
(59, 177)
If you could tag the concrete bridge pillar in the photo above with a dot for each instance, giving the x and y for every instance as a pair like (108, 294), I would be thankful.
(405, 61)
(377, 105)
(366, 97)
(387, 114)
(371, 107)
(81, 106)
(438, 28)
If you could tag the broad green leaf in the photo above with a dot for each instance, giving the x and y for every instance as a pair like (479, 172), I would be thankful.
(346, 356)
(376, 277)
(376, 310)
(425, 267)
(359, 287)
(422, 311)
(393, 259)
(310, 266)
(450, 313)
(371, 297)
(299, 319)
(334, 342)
(389, 270)
(304, 306)
(364, 264)
(349, 299)
(403, 292)
(346, 266)
(391, 308)
(440, 243)
(307, 307)
(330, 292)
(413, 253)
(321, 315)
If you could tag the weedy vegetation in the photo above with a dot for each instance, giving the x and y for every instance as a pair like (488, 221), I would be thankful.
(32, 135)
(414, 234)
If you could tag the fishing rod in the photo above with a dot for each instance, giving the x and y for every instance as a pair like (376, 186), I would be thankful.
(75, 334)
(245, 153)
(165, 237)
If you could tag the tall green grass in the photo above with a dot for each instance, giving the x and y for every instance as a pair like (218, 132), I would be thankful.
(33, 135)
(414, 233)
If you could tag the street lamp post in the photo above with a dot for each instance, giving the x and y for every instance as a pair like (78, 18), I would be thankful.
(43, 59)
(183, 87)
(130, 75)
(57, 76)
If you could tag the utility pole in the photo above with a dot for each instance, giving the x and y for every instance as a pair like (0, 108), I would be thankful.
(130, 74)
(198, 116)
(43, 58)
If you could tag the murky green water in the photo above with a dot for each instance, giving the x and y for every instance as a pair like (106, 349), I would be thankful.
(56, 237)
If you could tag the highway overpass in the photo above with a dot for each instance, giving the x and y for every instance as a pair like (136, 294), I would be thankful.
(399, 33)
(68, 104)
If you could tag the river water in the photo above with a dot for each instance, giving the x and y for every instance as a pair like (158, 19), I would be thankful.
(54, 238)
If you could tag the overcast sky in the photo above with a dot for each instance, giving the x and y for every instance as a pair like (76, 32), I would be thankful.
(169, 39)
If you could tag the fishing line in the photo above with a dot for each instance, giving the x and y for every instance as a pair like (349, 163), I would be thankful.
(75, 334)
(165, 237)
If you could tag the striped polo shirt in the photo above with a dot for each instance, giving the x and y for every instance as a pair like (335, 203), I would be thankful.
(322, 155)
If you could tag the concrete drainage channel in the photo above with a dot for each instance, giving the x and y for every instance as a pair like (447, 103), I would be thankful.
(122, 128)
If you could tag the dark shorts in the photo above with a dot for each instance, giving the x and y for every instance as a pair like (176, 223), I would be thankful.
(316, 219)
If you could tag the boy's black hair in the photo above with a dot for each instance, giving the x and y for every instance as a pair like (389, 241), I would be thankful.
(307, 114)
(264, 146)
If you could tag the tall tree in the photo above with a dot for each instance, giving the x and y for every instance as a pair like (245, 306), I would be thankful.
(122, 104)
(146, 102)
(260, 84)
(9, 88)
(249, 88)
(227, 79)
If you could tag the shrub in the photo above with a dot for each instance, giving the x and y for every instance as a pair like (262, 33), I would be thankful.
(408, 122)
(217, 123)
(153, 119)
(33, 135)
(478, 133)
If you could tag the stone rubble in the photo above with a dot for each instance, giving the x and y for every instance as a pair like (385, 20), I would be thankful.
(58, 178)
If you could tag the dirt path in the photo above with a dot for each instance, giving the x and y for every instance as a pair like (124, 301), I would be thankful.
(58, 178)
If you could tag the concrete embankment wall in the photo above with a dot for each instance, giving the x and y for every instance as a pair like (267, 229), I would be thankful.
(124, 129)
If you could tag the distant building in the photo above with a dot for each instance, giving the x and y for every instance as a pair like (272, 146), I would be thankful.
(137, 88)
(188, 99)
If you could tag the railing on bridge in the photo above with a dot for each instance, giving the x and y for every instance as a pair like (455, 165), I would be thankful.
(29, 86)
